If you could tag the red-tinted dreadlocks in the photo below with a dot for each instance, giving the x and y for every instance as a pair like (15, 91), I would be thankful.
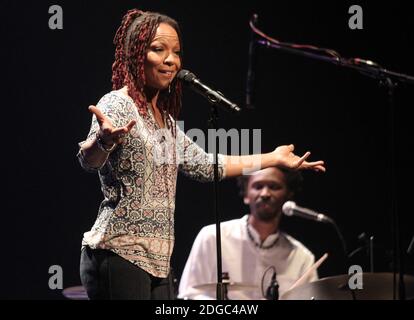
(132, 41)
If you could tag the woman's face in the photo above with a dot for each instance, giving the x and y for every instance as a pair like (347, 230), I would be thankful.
(163, 58)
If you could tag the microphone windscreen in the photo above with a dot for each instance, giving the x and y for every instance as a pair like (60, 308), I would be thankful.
(288, 208)
(185, 75)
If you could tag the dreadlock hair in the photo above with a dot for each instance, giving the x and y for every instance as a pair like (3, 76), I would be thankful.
(132, 41)
(294, 180)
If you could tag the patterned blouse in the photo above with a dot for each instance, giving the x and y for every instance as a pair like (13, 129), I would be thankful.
(136, 217)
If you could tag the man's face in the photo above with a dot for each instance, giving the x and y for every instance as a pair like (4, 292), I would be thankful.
(266, 193)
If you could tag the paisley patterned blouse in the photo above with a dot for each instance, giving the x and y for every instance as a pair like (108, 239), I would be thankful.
(136, 217)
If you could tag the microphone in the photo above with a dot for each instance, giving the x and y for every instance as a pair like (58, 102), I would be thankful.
(272, 292)
(250, 83)
(214, 97)
(290, 208)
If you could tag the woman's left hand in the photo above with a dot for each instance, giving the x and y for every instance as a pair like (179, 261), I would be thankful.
(287, 159)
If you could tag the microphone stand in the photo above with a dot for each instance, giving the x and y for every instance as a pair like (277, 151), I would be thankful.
(410, 249)
(345, 252)
(215, 99)
(390, 80)
(221, 287)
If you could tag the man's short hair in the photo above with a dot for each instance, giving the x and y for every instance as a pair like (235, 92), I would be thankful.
(294, 180)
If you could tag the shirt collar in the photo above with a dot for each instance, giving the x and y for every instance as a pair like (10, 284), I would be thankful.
(270, 241)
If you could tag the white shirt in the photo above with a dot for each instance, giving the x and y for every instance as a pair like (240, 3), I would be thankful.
(244, 261)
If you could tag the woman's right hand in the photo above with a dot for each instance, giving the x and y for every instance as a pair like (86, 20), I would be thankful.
(107, 132)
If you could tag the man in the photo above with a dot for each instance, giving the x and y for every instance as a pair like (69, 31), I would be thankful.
(253, 246)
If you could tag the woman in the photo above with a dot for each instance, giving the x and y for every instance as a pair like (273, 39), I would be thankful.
(126, 255)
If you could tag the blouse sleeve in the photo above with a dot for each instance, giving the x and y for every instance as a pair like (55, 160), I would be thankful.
(194, 162)
(110, 107)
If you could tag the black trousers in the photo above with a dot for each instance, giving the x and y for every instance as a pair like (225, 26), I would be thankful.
(107, 276)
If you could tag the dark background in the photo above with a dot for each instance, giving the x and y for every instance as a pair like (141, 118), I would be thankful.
(49, 77)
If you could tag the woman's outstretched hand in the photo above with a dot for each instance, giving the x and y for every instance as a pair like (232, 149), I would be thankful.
(108, 133)
(286, 158)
